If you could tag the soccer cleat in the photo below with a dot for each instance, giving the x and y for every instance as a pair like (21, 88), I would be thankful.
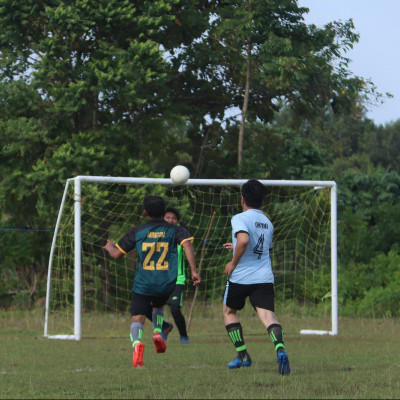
(240, 362)
(137, 357)
(283, 363)
(185, 340)
(165, 332)
(159, 342)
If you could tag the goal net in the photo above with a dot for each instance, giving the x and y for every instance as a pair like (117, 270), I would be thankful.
(83, 280)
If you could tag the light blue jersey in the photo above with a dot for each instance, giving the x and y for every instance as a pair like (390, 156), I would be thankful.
(255, 264)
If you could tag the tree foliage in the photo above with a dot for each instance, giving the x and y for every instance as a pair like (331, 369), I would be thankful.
(131, 88)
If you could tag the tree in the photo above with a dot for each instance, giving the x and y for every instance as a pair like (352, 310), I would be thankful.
(383, 146)
(259, 56)
(129, 87)
(83, 91)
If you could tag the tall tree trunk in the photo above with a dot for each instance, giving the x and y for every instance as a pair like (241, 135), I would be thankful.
(244, 107)
(246, 96)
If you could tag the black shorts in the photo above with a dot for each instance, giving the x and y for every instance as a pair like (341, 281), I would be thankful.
(143, 305)
(176, 297)
(261, 295)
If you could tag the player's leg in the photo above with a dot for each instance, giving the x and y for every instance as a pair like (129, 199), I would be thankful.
(166, 327)
(234, 300)
(180, 323)
(175, 303)
(139, 306)
(262, 299)
(158, 319)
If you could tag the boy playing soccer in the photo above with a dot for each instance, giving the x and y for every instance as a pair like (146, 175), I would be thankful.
(250, 275)
(156, 244)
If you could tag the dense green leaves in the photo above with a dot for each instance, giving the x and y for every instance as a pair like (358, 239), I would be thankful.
(240, 88)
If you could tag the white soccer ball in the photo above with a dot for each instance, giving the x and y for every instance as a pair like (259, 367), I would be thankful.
(179, 174)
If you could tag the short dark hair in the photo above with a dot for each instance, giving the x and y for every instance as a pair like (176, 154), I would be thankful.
(174, 211)
(155, 206)
(253, 192)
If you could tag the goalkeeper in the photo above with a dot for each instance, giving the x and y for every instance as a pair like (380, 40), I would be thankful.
(250, 275)
(156, 244)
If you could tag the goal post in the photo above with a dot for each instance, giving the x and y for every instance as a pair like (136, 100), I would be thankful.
(334, 279)
(82, 279)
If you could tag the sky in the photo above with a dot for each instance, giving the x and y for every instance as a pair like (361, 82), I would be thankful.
(377, 54)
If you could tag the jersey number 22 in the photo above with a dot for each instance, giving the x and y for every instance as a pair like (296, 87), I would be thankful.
(152, 249)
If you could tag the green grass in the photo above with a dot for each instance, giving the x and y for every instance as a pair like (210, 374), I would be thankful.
(362, 362)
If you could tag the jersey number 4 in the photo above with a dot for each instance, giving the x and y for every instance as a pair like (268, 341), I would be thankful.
(259, 248)
(156, 252)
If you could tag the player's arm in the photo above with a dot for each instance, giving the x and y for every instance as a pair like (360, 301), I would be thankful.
(113, 249)
(189, 253)
(241, 246)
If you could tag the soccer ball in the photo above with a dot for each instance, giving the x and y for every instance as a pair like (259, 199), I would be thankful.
(179, 174)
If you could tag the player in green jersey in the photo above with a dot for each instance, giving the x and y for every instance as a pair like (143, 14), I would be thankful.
(172, 215)
(156, 244)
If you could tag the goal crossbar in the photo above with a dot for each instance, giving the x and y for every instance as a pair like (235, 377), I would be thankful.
(166, 181)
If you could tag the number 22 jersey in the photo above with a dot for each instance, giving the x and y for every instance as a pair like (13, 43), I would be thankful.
(156, 243)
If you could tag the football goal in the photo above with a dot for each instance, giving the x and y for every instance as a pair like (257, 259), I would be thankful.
(83, 280)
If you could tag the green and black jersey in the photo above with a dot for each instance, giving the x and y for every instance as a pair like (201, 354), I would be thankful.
(156, 243)
(181, 279)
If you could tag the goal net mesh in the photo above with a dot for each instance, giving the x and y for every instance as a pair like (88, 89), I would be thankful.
(301, 253)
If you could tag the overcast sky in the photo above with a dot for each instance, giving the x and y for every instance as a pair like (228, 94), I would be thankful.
(377, 55)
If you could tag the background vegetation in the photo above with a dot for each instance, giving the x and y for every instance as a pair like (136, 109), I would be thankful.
(232, 89)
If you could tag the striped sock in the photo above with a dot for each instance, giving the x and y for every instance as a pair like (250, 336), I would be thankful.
(158, 319)
(235, 332)
(136, 333)
(275, 332)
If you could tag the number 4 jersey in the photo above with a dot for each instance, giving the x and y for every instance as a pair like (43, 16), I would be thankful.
(255, 264)
(156, 243)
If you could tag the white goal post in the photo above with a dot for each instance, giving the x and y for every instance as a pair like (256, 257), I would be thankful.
(76, 241)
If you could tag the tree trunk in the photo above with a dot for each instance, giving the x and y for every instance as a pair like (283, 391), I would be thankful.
(244, 107)
(246, 97)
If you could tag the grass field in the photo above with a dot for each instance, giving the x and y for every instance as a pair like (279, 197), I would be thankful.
(362, 362)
